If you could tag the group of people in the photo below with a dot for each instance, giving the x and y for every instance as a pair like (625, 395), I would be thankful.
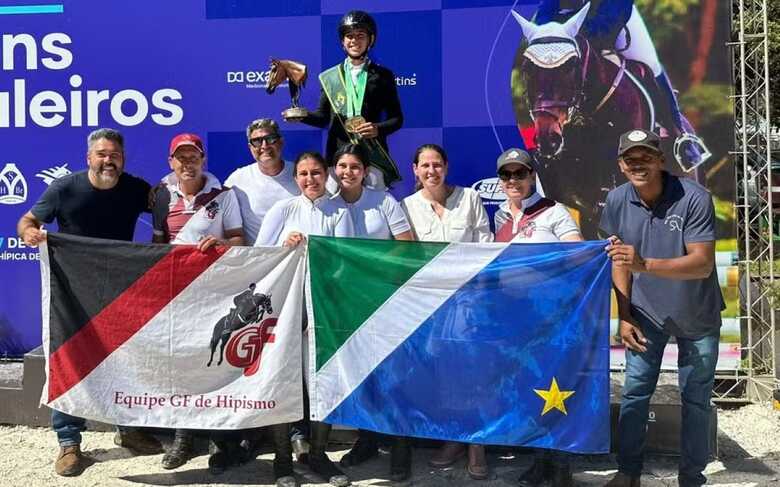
(661, 242)
(272, 202)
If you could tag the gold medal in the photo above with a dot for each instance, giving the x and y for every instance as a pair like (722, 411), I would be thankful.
(352, 123)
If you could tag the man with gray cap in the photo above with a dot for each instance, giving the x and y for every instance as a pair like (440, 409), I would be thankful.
(526, 216)
(662, 245)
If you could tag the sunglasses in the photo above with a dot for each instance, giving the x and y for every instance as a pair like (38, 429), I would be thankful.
(269, 139)
(519, 175)
(631, 161)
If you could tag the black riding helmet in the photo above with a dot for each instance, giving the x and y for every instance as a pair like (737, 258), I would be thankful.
(357, 19)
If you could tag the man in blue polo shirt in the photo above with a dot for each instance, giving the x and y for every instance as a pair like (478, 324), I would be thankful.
(662, 246)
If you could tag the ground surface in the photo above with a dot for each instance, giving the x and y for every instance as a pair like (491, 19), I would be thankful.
(749, 443)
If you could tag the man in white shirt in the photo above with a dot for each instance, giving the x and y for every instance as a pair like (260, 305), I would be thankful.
(264, 182)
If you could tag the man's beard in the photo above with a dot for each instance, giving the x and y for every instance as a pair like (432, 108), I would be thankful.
(107, 179)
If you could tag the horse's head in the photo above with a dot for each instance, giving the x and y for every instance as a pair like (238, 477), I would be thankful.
(552, 68)
(264, 302)
(283, 70)
(276, 76)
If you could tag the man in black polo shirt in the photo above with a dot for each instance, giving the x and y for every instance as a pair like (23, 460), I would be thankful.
(662, 246)
(100, 202)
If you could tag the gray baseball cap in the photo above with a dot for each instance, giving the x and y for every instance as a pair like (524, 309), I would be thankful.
(515, 156)
(639, 138)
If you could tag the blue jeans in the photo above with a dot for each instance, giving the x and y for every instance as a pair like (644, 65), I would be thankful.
(696, 363)
(69, 428)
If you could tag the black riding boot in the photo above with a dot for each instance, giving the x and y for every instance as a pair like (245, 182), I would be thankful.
(400, 459)
(319, 462)
(180, 451)
(283, 463)
(365, 448)
(539, 473)
(225, 451)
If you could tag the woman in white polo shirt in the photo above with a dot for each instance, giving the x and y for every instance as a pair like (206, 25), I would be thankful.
(377, 215)
(440, 212)
(288, 223)
(527, 217)
(313, 212)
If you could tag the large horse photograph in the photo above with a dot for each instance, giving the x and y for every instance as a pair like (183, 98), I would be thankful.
(585, 72)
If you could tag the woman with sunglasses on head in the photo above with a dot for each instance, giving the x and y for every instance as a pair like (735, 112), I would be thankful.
(376, 215)
(440, 212)
(289, 222)
(528, 217)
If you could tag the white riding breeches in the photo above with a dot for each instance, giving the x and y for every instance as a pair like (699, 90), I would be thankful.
(641, 47)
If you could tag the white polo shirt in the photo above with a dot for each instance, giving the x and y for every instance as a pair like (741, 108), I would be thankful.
(464, 218)
(257, 193)
(327, 216)
(212, 211)
(377, 215)
(535, 222)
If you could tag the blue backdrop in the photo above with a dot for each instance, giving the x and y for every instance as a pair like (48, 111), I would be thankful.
(153, 69)
(157, 68)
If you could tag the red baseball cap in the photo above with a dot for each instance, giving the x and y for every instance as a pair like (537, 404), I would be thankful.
(186, 139)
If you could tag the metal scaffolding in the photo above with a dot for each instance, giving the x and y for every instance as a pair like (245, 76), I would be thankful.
(756, 228)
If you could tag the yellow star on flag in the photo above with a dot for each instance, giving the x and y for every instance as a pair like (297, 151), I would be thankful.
(553, 398)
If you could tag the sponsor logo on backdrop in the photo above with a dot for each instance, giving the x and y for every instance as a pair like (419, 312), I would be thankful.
(490, 191)
(76, 105)
(13, 248)
(250, 79)
(406, 80)
(13, 186)
(49, 175)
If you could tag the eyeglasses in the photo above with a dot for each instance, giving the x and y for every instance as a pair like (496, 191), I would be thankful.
(269, 139)
(520, 174)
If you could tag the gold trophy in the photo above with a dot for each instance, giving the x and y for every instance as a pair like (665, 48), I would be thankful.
(295, 73)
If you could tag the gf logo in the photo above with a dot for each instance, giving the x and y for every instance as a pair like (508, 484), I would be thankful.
(245, 349)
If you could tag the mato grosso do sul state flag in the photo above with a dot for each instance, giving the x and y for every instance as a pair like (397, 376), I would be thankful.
(503, 344)
(168, 336)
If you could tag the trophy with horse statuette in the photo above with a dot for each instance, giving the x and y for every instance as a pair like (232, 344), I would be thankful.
(295, 73)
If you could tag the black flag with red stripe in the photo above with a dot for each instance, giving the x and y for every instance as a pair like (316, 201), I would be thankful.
(144, 334)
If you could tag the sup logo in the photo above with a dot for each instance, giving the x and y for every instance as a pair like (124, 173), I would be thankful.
(246, 346)
(489, 189)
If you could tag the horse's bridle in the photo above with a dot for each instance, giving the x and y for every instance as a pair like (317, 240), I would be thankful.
(543, 106)
(574, 105)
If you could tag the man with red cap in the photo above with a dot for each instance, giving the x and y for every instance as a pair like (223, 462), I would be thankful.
(192, 207)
